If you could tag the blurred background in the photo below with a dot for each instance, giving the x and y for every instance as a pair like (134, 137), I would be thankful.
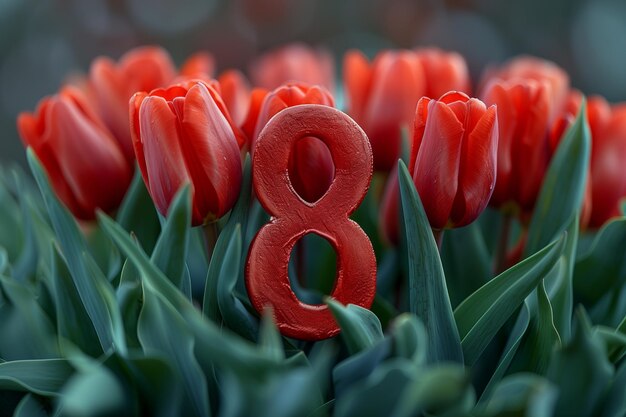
(43, 41)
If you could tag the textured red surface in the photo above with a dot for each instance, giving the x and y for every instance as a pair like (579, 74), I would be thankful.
(267, 277)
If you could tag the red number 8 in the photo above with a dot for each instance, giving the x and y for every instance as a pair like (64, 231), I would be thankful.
(267, 277)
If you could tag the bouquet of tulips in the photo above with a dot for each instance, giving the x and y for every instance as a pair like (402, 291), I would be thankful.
(192, 245)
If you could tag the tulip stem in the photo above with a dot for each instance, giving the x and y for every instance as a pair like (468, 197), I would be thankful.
(503, 243)
(211, 233)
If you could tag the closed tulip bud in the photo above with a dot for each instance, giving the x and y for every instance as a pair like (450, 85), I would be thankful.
(184, 134)
(453, 162)
(199, 65)
(311, 168)
(85, 164)
(112, 85)
(293, 63)
(235, 91)
(539, 70)
(381, 98)
(524, 107)
(444, 71)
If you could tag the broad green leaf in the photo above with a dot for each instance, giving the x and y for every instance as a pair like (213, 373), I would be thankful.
(212, 345)
(613, 340)
(563, 186)
(95, 291)
(10, 223)
(510, 349)
(25, 266)
(484, 312)
(30, 407)
(232, 310)
(73, 321)
(129, 295)
(163, 331)
(444, 389)
(428, 294)
(27, 332)
(410, 338)
(105, 253)
(466, 261)
(94, 391)
(603, 266)
(170, 251)
(39, 376)
(360, 328)
(614, 403)
(581, 371)
(377, 394)
(521, 394)
(358, 366)
(562, 294)
(238, 216)
(138, 215)
(270, 339)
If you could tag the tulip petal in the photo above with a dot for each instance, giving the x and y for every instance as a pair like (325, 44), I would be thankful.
(477, 174)
(165, 165)
(436, 171)
(421, 115)
(357, 76)
(311, 168)
(211, 154)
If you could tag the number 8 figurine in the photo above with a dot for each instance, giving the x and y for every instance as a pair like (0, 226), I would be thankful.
(267, 278)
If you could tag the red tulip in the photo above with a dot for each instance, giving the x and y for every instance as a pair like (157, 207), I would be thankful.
(444, 71)
(536, 69)
(235, 91)
(112, 85)
(184, 134)
(311, 168)
(453, 162)
(524, 107)
(381, 98)
(199, 65)
(606, 183)
(293, 63)
(85, 163)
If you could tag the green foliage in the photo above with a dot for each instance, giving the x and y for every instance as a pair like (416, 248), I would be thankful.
(110, 318)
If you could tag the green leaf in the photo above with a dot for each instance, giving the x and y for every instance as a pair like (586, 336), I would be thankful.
(410, 338)
(603, 266)
(162, 330)
(510, 349)
(563, 186)
(232, 310)
(170, 251)
(95, 291)
(39, 376)
(10, 223)
(443, 389)
(25, 266)
(581, 371)
(522, 395)
(93, 391)
(30, 407)
(73, 321)
(238, 216)
(26, 330)
(484, 312)
(614, 403)
(360, 328)
(138, 215)
(357, 367)
(428, 295)
(212, 346)
(270, 339)
(613, 340)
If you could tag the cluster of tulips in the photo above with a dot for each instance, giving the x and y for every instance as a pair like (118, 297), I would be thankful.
(467, 146)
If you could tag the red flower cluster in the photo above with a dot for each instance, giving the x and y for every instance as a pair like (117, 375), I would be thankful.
(186, 127)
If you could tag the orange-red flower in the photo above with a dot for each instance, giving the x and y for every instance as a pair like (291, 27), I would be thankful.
(113, 83)
(293, 63)
(524, 108)
(382, 95)
(453, 162)
(184, 134)
(199, 65)
(84, 162)
(311, 168)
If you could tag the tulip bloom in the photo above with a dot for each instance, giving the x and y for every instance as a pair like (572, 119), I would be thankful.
(539, 70)
(606, 182)
(382, 95)
(199, 65)
(311, 168)
(524, 107)
(453, 162)
(293, 63)
(85, 163)
(112, 84)
(184, 134)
